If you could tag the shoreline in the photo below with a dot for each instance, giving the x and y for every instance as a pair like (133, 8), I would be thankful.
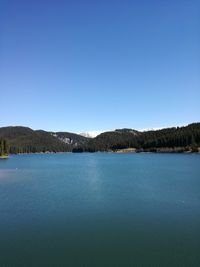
(4, 157)
(120, 151)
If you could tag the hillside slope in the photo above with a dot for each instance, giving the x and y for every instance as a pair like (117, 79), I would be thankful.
(25, 140)
(176, 139)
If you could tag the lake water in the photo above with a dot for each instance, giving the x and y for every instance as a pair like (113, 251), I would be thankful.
(100, 209)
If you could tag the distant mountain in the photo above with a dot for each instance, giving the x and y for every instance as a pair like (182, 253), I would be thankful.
(175, 139)
(119, 138)
(169, 139)
(91, 134)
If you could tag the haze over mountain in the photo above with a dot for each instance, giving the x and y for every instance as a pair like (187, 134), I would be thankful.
(91, 134)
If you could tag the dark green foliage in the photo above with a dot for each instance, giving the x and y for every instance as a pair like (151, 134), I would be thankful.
(166, 140)
(26, 140)
(4, 148)
(172, 137)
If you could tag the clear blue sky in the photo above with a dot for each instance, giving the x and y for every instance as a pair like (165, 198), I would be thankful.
(91, 65)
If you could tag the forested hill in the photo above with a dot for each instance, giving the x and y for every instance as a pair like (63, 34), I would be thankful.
(26, 140)
(175, 139)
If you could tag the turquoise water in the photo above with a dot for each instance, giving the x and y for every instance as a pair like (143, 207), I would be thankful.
(100, 209)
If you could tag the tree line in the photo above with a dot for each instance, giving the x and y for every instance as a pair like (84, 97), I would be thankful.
(176, 139)
(4, 148)
(26, 140)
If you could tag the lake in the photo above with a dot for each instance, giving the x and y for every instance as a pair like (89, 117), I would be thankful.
(100, 209)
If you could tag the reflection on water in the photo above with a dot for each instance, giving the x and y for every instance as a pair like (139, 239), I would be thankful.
(7, 173)
(93, 178)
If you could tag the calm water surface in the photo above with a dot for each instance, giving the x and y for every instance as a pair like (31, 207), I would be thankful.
(100, 210)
